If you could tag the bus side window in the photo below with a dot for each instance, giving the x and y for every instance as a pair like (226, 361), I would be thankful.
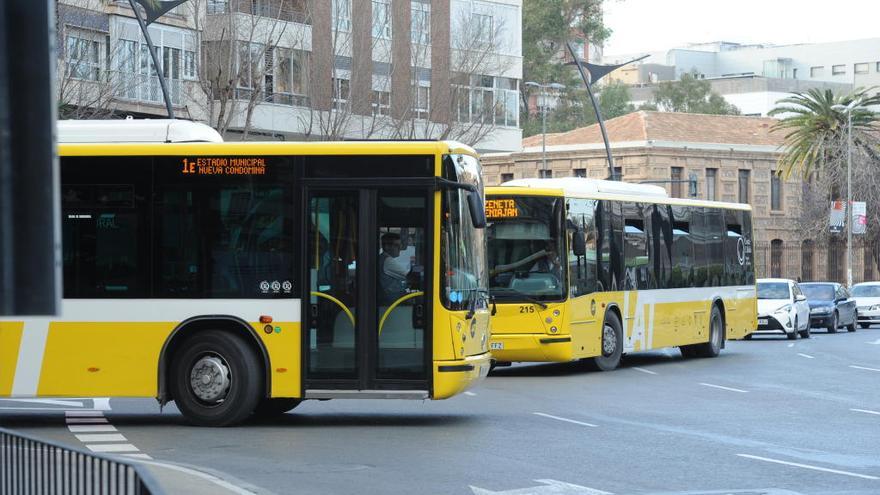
(583, 268)
(635, 248)
(661, 244)
(682, 249)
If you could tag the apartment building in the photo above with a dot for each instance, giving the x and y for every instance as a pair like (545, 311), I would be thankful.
(313, 69)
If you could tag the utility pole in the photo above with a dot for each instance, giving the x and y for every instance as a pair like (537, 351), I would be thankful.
(543, 94)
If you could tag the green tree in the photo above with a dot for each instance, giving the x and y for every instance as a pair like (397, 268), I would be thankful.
(689, 95)
(574, 109)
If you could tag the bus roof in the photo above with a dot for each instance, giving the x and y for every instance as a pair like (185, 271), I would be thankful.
(601, 189)
(268, 148)
(136, 131)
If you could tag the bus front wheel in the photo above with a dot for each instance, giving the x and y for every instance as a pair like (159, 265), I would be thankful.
(216, 379)
(611, 345)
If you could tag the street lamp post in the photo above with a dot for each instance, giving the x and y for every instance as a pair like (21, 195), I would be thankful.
(543, 94)
(849, 225)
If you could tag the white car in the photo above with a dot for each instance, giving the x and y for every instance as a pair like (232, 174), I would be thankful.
(867, 296)
(782, 307)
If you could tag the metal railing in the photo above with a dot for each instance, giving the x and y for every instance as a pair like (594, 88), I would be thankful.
(29, 465)
(817, 261)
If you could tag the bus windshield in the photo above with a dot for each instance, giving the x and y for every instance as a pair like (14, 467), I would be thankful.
(526, 248)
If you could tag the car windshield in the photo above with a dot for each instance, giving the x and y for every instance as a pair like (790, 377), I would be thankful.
(773, 290)
(818, 292)
(866, 291)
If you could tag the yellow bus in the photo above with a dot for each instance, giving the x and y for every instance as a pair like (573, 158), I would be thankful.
(590, 269)
(241, 278)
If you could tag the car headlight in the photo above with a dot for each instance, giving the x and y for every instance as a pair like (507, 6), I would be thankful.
(784, 309)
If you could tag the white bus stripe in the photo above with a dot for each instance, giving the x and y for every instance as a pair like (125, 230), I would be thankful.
(30, 357)
(807, 466)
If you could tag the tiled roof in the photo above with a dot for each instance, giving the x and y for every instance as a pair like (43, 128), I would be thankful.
(670, 126)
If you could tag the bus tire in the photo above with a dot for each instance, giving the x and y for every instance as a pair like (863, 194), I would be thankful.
(712, 348)
(611, 345)
(270, 408)
(216, 379)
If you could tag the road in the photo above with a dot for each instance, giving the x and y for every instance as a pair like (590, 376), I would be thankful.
(768, 416)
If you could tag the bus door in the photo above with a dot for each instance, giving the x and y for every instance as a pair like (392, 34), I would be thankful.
(366, 312)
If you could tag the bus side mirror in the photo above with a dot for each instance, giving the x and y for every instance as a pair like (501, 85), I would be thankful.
(578, 244)
(478, 212)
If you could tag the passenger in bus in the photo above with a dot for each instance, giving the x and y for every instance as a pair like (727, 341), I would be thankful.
(392, 273)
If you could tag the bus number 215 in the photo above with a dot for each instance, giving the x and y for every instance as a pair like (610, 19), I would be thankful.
(527, 309)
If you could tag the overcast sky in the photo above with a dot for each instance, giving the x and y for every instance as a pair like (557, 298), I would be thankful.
(654, 25)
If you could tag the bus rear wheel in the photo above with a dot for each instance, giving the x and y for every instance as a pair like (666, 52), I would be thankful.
(612, 345)
(712, 348)
(216, 379)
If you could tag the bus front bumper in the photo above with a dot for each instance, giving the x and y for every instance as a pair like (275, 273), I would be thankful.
(539, 347)
(454, 377)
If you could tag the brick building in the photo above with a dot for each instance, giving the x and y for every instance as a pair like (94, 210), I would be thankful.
(732, 158)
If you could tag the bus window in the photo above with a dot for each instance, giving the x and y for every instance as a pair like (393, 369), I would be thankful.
(583, 268)
(715, 233)
(661, 244)
(682, 249)
(635, 248)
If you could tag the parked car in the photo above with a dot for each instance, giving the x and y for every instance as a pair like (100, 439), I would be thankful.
(830, 306)
(867, 296)
(782, 307)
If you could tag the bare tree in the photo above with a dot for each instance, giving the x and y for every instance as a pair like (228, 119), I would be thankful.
(241, 38)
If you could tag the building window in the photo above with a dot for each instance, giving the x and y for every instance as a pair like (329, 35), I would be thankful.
(483, 25)
(487, 99)
(290, 76)
(341, 14)
(422, 102)
(580, 172)
(421, 23)
(545, 174)
(743, 186)
(218, 6)
(618, 173)
(838, 70)
(676, 178)
(83, 58)
(775, 192)
(341, 92)
(506, 178)
(877, 68)
(381, 103)
(711, 181)
(382, 19)
(817, 72)
(776, 258)
(861, 68)
(794, 73)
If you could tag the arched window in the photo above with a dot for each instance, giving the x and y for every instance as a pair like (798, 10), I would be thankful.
(776, 258)
(807, 260)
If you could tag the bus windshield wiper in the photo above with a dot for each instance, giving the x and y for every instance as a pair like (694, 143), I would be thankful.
(517, 293)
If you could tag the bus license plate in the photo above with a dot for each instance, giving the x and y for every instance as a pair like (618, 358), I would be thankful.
(762, 321)
(496, 346)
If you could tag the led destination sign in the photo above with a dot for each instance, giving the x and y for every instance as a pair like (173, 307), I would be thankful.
(216, 165)
(501, 208)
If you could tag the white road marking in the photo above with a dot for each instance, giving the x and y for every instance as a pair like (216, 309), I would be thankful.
(876, 342)
(791, 345)
(112, 447)
(198, 474)
(643, 370)
(548, 487)
(725, 388)
(30, 357)
(806, 356)
(566, 420)
(470, 394)
(84, 414)
(91, 428)
(101, 437)
(866, 411)
(807, 466)
(137, 456)
(863, 368)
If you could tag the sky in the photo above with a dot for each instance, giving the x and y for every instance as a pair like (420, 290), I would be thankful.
(654, 25)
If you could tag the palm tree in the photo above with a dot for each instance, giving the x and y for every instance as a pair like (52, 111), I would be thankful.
(816, 132)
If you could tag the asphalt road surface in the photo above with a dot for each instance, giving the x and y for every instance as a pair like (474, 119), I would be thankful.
(769, 416)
